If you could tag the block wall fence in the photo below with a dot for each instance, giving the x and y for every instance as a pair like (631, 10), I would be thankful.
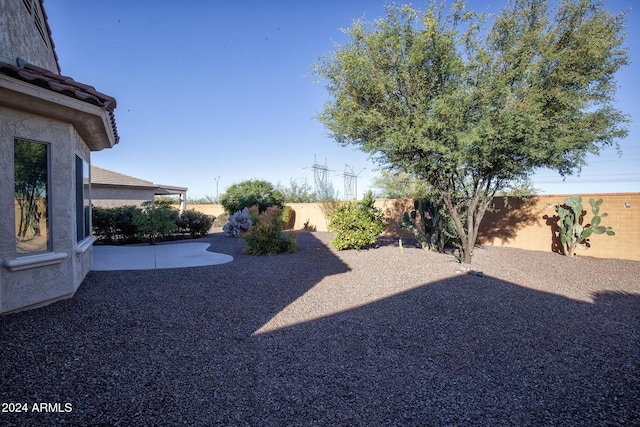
(529, 224)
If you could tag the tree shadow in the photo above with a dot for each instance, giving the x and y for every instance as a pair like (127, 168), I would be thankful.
(463, 350)
(393, 211)
(505, 221)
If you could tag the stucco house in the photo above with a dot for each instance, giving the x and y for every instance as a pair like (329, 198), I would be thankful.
(49, 125)
(110, 189)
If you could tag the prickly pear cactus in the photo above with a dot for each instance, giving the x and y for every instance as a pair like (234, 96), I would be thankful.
(416, 222)
(572, 233)
(427, 225)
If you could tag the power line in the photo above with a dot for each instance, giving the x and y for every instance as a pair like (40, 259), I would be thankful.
(320, 175)
(351, 183)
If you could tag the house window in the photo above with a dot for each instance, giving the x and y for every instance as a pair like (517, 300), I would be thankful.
(31, 195)
(83, 199)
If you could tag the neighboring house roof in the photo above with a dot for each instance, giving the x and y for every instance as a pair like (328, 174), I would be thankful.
(44, 78)
(106, 177)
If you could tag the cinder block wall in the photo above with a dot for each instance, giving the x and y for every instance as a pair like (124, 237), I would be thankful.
(529, 224)
(532, 224)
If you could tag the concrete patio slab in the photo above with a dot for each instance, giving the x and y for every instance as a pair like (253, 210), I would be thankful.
(149, 257)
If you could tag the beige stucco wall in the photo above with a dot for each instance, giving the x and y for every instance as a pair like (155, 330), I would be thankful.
(527, 225)
(19, 37)
(38, 285)
(110, 197)
(316, 215)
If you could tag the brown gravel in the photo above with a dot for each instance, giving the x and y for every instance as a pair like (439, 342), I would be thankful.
(320, 337)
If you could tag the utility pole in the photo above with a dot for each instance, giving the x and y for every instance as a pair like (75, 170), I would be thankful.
(351, 182)
(217, 182)
(320, 175)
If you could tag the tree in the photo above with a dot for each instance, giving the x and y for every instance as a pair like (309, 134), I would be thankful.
(296, 193)
(401, 185)
(249, 193)
(471, 105)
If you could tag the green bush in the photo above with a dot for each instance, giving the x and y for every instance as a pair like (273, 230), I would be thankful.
(250, 193)
(221, 220)
(115, 224)
(288, 217)
(124, 224)
(265, 237)
(155, 220)
(103, 225)
(195, 223)
(357, 224)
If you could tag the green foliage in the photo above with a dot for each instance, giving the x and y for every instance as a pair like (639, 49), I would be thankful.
(401, 185)
(167, 199)
(265, 237)
(430, 224)
(249, 193)
(115, 224)
(103, 226)
(151, 221)
(195, 223)
(206, 200)
(572, 233)
(254, 213)
(357, 224)
(288, 217)
(221, 220)
(156, 219)
(296, 193)
(471, 107)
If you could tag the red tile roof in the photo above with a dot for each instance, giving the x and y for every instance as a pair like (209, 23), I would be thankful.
(64, 85)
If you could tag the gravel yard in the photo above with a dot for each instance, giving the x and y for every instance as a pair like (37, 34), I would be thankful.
(328, 338)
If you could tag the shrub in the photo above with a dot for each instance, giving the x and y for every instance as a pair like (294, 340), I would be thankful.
(111, 224)
(195, 223)
(357, 224)
(102, 221)
(124, 224)
(239, 223)
(288, 217)
(221, 220)
(254, 213)
(249, 193)
(266, 237)
(156, 219)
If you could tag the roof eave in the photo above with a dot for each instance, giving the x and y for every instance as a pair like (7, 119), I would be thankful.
(92, 122)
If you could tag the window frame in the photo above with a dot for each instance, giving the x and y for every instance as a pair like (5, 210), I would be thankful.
(47, 205)
(83, 198)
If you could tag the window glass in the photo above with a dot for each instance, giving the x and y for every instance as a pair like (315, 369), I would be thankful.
(86, 184)
(31, 173)
(83, 200)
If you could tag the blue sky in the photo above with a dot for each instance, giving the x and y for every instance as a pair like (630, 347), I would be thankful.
(213, 91)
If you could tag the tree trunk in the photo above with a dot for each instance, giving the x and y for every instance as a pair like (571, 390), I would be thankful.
(465, 250)
(476, 209)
